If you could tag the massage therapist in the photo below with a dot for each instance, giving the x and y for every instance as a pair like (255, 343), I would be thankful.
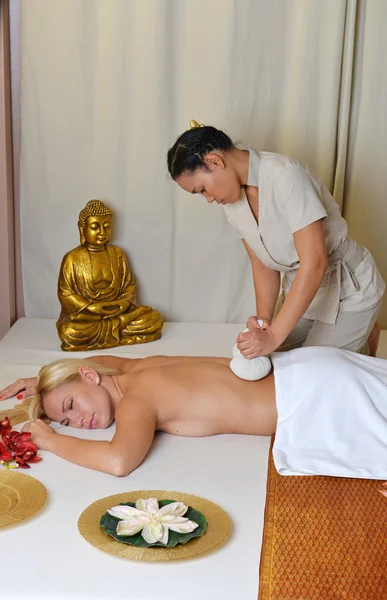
(289, 223)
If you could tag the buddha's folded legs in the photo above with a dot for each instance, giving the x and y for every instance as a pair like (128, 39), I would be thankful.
(88, 335)
(139, 338)
(141, 325)
(143, 320)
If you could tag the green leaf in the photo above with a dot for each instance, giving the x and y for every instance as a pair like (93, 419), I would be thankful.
(109, 525)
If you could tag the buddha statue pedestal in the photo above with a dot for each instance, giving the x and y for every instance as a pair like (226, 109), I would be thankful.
(97, 291)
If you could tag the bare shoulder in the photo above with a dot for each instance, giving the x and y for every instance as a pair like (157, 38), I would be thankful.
(136, 404)
(139, 385)
(121, 364)
(126, 365)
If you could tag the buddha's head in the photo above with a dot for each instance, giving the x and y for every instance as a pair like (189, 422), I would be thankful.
(95, 225)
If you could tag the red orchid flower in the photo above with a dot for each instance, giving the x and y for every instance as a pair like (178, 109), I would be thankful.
(5, 424)
(5, 429)
(16, 447)
(23, 462)
(26, 453)
(5, 454)
(15, 439)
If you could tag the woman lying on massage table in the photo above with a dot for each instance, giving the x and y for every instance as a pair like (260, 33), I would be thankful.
(328, 408)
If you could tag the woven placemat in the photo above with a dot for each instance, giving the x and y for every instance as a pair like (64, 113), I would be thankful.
(218, 531)
(21, 496)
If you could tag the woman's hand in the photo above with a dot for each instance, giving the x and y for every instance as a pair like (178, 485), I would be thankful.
(259, 341)
(22, 387)
(40, 432)
(257, 322)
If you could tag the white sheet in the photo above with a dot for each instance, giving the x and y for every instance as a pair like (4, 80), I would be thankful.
(332, 413)
(46, 558)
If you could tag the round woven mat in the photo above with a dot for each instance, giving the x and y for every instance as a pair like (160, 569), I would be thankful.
(218, 531)
(21, 496)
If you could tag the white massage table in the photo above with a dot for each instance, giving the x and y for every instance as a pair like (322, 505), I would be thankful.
(46, 557)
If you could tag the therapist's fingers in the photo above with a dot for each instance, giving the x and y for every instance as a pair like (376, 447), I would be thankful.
(253, 345)
(265, 323)
(249, 353)
(252, 323)
(245, 347)
(244, 336)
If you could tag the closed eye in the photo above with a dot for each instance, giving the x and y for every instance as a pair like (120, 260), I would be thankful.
(67, 423)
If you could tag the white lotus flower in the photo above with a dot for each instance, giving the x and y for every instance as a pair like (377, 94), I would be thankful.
(153, 522)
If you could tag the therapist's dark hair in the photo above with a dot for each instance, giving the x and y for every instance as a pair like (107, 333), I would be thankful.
(188, 152)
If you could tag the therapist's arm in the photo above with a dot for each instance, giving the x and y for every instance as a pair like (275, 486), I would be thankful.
(311, 250)
(266, 285)
(310, 245)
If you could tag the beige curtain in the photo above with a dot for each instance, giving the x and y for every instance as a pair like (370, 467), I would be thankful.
(108, 85)
(11, 299)
(365, 198)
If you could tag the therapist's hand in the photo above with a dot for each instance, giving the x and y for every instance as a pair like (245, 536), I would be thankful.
(259, 341)
(252, 323)
(40, 432)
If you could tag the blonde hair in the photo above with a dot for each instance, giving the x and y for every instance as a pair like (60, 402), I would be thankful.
(49, 377)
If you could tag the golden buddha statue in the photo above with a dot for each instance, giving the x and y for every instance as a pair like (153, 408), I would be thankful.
(97, 291)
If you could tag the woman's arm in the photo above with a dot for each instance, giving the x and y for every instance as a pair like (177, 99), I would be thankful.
(311, 250)
(128, 448)
(310, 246)
(266, 285)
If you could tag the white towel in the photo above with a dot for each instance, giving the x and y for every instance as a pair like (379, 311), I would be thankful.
(332, 413)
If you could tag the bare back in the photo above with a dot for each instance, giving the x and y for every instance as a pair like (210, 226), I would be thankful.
(194, 396)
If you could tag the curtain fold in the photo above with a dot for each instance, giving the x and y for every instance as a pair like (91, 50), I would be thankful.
(344, 101)
(365, 205)
(11, 301)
